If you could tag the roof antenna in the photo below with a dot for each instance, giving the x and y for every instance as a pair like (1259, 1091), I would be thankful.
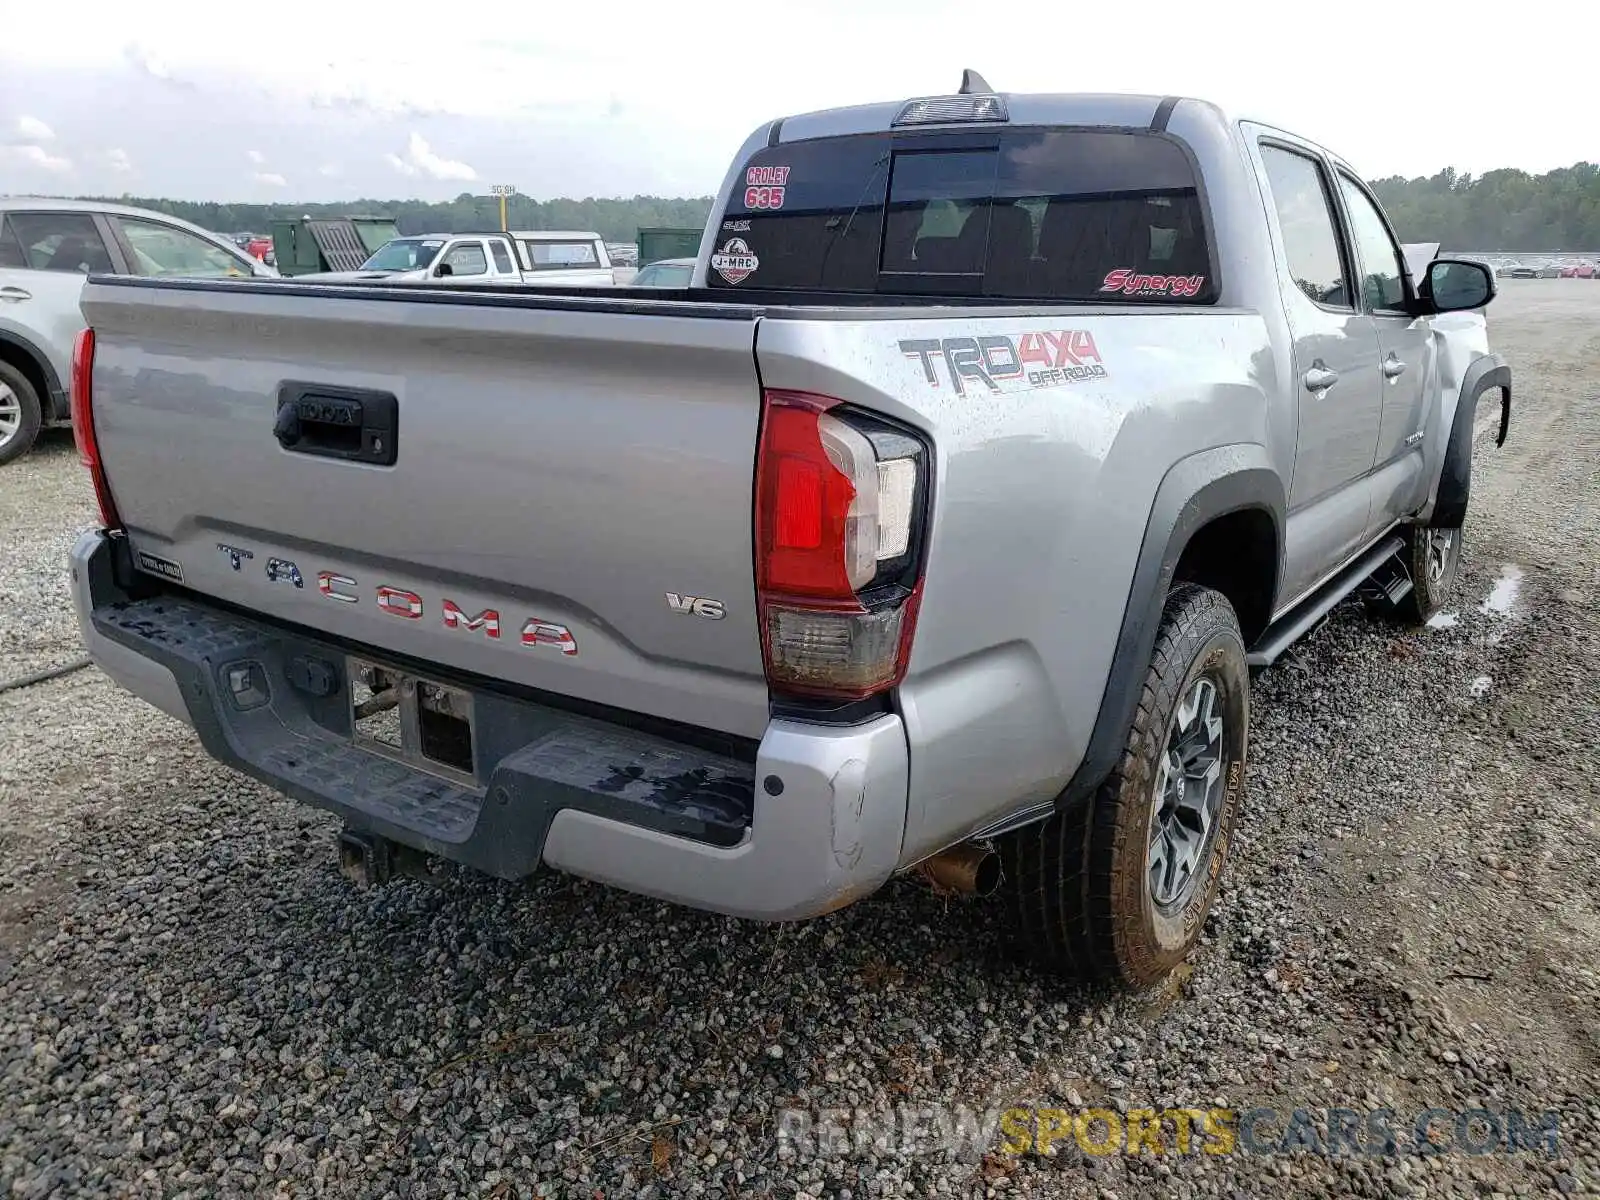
(972, 82)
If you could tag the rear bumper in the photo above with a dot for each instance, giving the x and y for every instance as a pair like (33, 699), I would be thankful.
(813, 822)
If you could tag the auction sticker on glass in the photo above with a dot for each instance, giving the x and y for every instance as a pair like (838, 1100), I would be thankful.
(735, 262)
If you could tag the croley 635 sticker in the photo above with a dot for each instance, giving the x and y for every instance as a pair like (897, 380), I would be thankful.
(765, 187)
(735, 262)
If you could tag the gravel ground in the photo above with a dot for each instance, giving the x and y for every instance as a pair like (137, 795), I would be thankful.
(193, 1001)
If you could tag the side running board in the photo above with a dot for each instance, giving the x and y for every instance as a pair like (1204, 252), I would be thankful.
(1389, 576)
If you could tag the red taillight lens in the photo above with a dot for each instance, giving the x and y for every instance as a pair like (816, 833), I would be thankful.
(839, 499)
(82, 403)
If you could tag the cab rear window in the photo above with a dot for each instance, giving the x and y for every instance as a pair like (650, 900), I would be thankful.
(1047, 214)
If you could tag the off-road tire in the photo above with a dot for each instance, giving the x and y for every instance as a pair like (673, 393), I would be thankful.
(27, 401)
(1432, 580)
(1080, 881)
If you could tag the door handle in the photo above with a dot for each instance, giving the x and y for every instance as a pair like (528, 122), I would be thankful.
(15, 293)
(1393, 368)
(1319, 379)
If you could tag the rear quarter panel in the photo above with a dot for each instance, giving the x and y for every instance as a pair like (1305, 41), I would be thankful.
(1041, 495)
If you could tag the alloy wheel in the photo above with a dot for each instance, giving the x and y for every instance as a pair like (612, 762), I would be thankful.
(1188, 796)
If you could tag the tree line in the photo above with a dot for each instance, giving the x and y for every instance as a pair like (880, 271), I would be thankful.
(615, 220)
(1502, 210)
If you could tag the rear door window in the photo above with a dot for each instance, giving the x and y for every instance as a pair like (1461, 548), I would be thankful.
(11, 256)
(1086, 215)
(1309, 227)
(502, 257)
(53, 241)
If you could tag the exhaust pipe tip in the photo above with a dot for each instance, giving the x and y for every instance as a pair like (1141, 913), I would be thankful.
(965, 870)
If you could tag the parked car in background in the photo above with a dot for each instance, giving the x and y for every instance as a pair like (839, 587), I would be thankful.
(623, 254)
(1549, 271)
(1520, 271)
(574, 259)
(669, 272)
(46, 249)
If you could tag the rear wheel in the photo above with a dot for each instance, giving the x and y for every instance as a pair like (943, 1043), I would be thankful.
(1118, 886)
(1433, 557)
(19, 413)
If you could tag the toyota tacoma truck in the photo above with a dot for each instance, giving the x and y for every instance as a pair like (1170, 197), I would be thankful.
(936, 526)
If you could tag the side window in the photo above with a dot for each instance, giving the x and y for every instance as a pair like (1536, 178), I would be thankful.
(502, 258)
(11, 257)
(1305, 215)
(467, 258)
(1382, 269)
(166, 250)
(60, 241)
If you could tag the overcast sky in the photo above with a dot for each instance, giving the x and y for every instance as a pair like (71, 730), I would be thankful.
(622, 98)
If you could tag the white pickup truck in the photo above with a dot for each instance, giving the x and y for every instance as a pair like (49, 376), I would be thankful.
(541, 257)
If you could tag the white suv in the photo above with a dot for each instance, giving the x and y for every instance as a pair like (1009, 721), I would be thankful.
(46, 249)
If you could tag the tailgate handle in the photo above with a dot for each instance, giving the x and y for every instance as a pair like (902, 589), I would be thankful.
(327, 421)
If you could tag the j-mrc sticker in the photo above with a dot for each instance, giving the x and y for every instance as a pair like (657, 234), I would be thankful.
(735, 262)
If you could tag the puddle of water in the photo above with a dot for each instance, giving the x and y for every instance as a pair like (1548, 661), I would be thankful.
(1503, 596)
(1481, 685)
(1444, 620)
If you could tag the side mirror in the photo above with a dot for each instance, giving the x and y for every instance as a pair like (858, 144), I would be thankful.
(443, 270)
(1454, 285)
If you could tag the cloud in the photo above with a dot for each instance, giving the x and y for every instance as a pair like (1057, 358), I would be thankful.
(255, 156)
(34, 129)
(329, 171)
(37, 157)
(420, 159)
(270, 179)
(144, 60)
(119, 161)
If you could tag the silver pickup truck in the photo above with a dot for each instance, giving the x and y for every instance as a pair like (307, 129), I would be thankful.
(937, 526)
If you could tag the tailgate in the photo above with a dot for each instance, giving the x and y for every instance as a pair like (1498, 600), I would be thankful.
(566, 483)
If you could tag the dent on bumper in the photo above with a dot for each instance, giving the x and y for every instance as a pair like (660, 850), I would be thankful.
(829, 836)
(829, 810)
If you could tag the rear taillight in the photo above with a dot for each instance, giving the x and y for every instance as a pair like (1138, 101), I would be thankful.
(840, 501)
(82, 397)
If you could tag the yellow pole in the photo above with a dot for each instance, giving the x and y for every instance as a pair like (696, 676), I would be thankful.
(502, 212)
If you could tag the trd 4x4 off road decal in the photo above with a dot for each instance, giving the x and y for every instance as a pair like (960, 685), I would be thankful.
(1002, 364)
(735, 262)
(1131, 283)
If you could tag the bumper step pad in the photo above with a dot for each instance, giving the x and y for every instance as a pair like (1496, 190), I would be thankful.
(533, 760)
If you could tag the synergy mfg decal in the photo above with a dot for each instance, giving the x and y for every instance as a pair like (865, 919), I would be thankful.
(735, 262)
(1131, 283)
(1003, 364)
(764, 187)
(741, 226)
